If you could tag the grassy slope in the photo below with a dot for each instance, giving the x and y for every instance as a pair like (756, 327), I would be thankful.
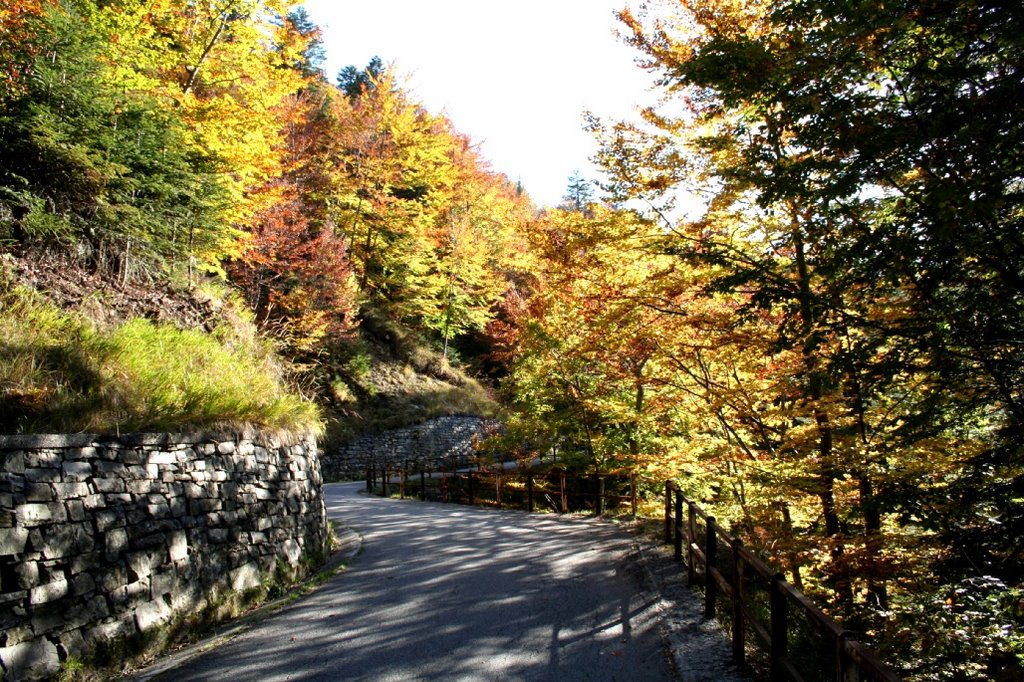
(85, 352)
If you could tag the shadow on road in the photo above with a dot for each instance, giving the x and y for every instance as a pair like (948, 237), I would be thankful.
(448, 592)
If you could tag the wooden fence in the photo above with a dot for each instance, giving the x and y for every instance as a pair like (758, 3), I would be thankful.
(698, 536)
(556, 489)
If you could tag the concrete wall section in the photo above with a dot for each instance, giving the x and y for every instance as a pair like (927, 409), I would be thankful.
(105, 538)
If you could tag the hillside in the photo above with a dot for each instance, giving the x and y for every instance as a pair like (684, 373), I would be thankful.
(59, 316)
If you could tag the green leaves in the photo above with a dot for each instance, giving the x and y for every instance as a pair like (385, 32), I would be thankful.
(110, 165)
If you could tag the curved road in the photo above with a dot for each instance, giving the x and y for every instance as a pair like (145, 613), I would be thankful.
(458, 593)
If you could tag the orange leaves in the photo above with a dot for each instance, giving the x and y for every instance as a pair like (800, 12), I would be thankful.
(17, 42)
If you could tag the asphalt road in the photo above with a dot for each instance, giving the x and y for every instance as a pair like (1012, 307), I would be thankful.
(447, 592)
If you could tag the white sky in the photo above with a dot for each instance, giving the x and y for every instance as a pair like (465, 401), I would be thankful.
(514, 75)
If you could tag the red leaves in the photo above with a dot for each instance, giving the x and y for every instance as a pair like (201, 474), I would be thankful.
(18, 21)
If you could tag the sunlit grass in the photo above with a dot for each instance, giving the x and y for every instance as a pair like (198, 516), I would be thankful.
(60, 374)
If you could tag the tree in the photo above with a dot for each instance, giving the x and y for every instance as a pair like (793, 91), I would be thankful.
(87, 163)
(881, 241)
(354, 81)
(579, 193)
(312, 52)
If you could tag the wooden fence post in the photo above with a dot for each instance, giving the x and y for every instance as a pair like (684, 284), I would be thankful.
(845, 672)
(679, 526)
(632, 495)
(472, 491)
(369, 479)
(668, 512)
(423, 483)
(738, 626)
(529, 492)
(565, 495)
(710, 561)
(779, 629)
(401, 480)
(691, 538)
(386, 481)
(497, 488)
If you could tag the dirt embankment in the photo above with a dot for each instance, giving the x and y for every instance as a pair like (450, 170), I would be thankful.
(104, 297)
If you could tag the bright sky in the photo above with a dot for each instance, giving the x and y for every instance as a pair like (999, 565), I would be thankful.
(515, 76)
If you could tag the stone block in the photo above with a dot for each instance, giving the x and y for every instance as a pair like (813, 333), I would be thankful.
(96, 501)
(226, 448)
(13, 462)
(108, 485)
(12, 540)
(111, 630)
(130, 594)
(87, 452)
(12, 600)
(158, 511)
(131, 457)
(42, 475)
(193, 491)
(47, 458)
(49, 618)
(84, 562)
(48, 592)
(292, 551)
(116, 541)
(143, 486)
(62, 541)
(82, 584)
(177, 546)
(75, 510)
(12, 483)
(107, 519)
(26, 574)
(77, 471)
(33, 514)
(71, 644)
(32, 660)
(112, 578)
(246, 576)
(188, 598)
(178, 507)
(109, 469)
(162, 458)
(261, 493)
(141, 564)
(203, 506)
(151, 614)
(38, 492)
(165, 582)
(150, 542)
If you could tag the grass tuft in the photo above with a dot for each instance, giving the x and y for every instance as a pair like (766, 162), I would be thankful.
(58, 373)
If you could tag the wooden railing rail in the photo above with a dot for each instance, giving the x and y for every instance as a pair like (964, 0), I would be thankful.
(853, 660)
(568, 491)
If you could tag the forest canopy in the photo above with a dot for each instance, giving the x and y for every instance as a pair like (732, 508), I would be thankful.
(828, 353)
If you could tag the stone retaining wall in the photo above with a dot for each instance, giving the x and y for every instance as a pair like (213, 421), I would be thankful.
(102, 539)
(441, 438)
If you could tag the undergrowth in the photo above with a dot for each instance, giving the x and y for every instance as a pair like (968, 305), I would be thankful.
(60, 373)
